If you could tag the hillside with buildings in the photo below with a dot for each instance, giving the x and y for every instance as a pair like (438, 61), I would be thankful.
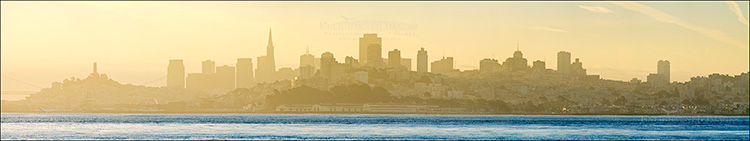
(373, 84)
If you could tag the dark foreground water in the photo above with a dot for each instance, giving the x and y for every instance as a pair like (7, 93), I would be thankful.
(314, 126)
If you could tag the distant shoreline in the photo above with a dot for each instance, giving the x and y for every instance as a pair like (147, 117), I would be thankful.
(342, 113)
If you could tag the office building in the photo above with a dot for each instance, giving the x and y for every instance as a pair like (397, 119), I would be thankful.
(406, 62)
(330, 69)
(266, 71)
(663, 69)
(576, 68)
(394, 59)
(422, 60)
(176, 74)
(563, 62)
(287, 73)
(306, 72)
(209, 66)
(516, 63)
(539, 66)
(443, 65)
(364, 43)
(351, 62)
(308, 59)
(244, 72)
(374, 56)
(226, 77)
(488, 65)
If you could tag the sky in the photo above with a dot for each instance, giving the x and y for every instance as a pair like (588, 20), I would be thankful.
(132, 42)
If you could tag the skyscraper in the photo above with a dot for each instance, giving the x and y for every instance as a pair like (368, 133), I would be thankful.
(394, 58)
(286, 73)
(516, 63)
(330, 69)
(307, 65)
(443, 65)
(266, 71)
(374, 56)
(269, 51)
(661, 77)
(663, 69)
(244, 72)
(364, 44)
(194, 81)
(406, 62)
(488, 65)
(563, 62)
(539, 65)
(576, 68)
(351, 62)
(306, 72)
(176, 74)
(422, 60)
(307, 59)
(226, 77)
(209, 67)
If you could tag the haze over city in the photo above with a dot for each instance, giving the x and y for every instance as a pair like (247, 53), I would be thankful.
(133, 41)
(217, 70)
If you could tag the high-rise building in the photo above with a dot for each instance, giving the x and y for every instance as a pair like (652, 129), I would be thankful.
(351, 62)
(270, 51)
(516, 63)
(266, 71)
(663, 69)
(308, 65)
(330, 69)
(576, 68)
(176, 74)
(422, 60)
(194, 81)
(225, 76)
(394, 58)
(563, 62)
(539, 65)
(209, 66)
(443, 65)
(488, 65)
(306, 72)
(244, 72)
(307, 59)
(287, 73)
(661, 77)
(374, 56)
(406, 62)
(364, 43)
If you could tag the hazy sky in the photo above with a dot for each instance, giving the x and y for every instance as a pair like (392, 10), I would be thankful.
(132, 42)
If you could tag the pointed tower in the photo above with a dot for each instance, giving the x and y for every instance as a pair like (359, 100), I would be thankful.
(266, 71)
(269, 51)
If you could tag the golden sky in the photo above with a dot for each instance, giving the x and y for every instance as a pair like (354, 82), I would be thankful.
(132, 42)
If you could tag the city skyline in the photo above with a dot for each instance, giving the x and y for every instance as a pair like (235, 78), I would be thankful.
(249, 44)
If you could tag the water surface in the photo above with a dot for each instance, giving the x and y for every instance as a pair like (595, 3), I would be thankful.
(333, 126)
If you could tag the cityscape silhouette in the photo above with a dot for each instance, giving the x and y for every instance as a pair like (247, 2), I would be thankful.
(375, 70)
